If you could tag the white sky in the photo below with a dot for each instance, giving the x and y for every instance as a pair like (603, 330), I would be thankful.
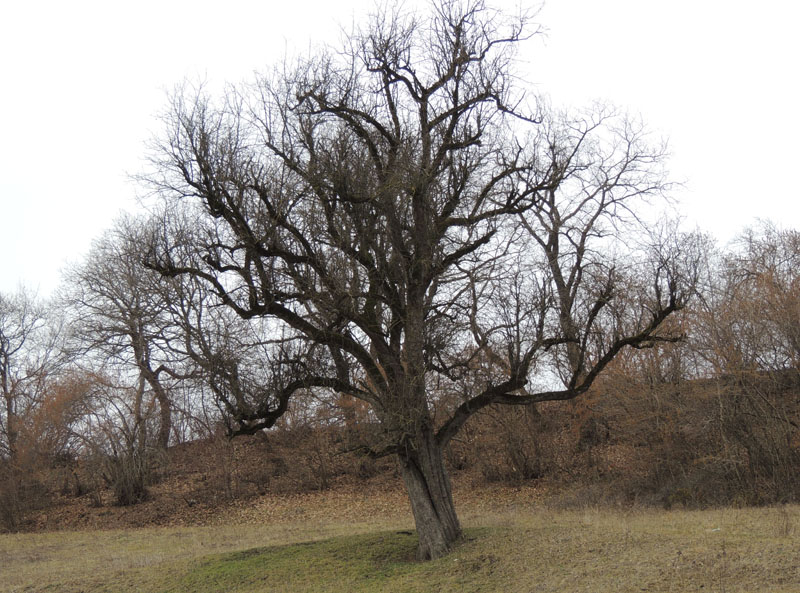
(82, 81)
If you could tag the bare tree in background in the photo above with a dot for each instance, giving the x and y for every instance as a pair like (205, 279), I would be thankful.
(750, 315)
(746, 331)
(121, 315)
(30, 355)
(31, 362)
(401, 218)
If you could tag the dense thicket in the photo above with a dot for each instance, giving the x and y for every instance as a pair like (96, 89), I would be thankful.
(712, 419)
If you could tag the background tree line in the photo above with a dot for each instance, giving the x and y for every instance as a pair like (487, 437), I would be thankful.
(712, 419)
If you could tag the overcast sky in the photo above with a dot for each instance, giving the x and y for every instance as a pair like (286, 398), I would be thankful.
(81, 84)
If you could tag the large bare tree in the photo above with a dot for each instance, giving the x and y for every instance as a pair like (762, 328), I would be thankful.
(402, 218)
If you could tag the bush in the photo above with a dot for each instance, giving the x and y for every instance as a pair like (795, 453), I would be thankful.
(129, 474)
(508, 444)
(21, 492)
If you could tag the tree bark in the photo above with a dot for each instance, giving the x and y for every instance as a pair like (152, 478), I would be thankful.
(165, 424)
(431, 497)
(165, 411)
(11, 427)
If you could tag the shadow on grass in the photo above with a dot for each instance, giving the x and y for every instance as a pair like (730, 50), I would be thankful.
(371, 562)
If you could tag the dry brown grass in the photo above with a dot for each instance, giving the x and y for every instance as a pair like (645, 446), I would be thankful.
(513, 543)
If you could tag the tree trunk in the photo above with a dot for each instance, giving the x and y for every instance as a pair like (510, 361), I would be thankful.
(165, 412)
(431, 498)
(9, 398)
(11, 428)
(165, 424)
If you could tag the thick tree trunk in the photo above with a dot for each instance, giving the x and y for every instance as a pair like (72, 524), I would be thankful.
(431, 497)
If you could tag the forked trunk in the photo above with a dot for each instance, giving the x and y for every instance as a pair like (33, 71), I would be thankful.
(165, 412)
(431, 497)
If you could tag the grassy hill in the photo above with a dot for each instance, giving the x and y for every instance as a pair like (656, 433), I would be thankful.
(696, 445)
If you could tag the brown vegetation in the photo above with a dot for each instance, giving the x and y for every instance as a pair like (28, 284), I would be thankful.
(690, 444)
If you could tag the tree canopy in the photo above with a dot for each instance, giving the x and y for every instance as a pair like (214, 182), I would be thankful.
(403, 218)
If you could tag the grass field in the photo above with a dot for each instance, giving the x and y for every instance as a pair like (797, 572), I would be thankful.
(528, 550)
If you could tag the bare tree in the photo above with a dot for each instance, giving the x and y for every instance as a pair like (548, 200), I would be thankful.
(746, 332)
(400, 222)
(118, 423)
(750, 316)
(121, 314)
(30, 355)
(31, 361)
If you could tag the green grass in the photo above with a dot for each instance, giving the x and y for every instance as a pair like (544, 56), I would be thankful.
(355, 563)
(539, 550)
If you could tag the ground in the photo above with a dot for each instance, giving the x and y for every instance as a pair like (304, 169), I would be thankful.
(357, 534)
(533, 548)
